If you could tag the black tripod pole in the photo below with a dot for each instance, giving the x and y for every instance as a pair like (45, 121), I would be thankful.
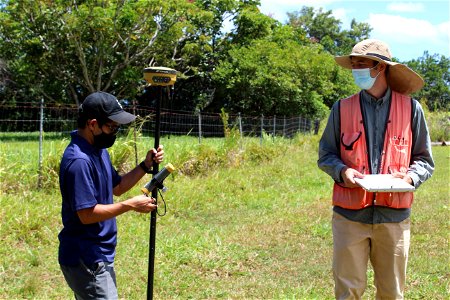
(152, 241)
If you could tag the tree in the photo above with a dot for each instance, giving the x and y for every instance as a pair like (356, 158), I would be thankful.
(274, 69)
(203, 51)
(250, 24)
(321, 27)
(200, 52)
(435, 70)
(281, 78)
(63, 50)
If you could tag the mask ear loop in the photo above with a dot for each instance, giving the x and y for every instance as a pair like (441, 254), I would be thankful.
(378, 63)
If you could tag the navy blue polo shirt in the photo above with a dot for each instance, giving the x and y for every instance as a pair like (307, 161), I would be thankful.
(86, 178)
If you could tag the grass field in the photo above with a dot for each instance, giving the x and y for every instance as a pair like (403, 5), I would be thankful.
(244, 221)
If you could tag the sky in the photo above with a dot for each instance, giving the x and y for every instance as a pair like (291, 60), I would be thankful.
(409, 27)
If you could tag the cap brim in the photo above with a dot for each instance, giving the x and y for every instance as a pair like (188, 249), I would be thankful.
(122, 118)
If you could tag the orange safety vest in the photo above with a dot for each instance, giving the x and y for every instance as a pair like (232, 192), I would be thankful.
(395, 156)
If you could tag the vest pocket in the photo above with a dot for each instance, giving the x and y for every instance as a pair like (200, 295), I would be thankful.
(348, 140)
(351, 198)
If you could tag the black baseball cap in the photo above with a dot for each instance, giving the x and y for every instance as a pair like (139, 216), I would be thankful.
(102, 105)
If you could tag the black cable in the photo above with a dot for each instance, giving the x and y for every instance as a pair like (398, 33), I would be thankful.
(165, 205)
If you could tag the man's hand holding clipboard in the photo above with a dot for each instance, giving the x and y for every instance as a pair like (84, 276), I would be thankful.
(384, 183)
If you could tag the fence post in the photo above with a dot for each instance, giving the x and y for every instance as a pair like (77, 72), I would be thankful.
(299, 124)
(199, 127)
(240, 124)
(262, 130)
(316, 126)
(240, 131)
(134, 133)
(41, 132)
(274, 127)
(284, 126)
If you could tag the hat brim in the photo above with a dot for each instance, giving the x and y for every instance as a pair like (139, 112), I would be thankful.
(404, 80)
(346, 62)
(400, 78)
(122, 117)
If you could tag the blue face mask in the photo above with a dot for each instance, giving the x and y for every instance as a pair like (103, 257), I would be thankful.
(363, 79)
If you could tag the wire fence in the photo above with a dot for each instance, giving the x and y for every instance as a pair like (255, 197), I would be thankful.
(41, 117)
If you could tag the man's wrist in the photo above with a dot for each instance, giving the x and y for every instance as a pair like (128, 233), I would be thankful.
(341, 174)
(145, 168)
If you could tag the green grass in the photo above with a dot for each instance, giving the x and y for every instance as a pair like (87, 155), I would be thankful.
(244, 221)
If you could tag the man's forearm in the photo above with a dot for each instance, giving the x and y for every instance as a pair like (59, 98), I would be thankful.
(331, 165)
(102, 212)
(128, 181)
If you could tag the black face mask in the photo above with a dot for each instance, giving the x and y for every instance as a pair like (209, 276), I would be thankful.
(104, 140)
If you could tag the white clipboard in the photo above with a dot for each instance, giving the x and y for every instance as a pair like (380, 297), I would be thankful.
(383, 183)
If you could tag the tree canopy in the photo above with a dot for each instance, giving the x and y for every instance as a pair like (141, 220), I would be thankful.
(64, 50)
(281, 79)
(435, 70)
(227, 54)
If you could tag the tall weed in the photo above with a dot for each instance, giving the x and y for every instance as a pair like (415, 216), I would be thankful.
(439, 126)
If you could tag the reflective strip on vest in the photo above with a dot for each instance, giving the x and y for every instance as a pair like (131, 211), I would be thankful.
(394, 158)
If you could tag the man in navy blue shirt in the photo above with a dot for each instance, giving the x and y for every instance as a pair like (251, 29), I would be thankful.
(88, 182)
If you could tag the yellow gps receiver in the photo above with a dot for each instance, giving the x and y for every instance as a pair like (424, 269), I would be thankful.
(158, 179)
(160, 76)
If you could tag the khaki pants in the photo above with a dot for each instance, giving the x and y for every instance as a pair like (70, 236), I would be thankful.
(386, 245)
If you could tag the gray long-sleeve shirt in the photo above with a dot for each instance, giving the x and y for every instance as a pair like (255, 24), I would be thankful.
(375, 113)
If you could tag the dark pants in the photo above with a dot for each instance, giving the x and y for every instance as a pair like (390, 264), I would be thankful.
(96, 282)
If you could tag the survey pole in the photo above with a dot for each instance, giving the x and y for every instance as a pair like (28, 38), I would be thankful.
(159, 77)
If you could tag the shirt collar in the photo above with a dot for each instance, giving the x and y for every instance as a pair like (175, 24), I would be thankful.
(370, 99)
(83, 144)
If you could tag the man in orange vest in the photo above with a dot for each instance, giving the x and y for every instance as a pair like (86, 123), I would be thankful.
(379, 130)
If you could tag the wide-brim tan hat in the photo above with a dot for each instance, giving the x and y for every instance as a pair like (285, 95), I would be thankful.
(400, 78)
